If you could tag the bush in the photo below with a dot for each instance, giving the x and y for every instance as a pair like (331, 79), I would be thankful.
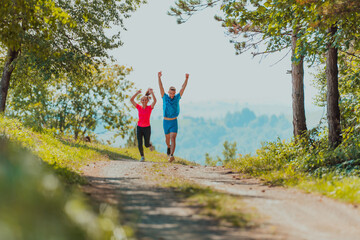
(35, 206)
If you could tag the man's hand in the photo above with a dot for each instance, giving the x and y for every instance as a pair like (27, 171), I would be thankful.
(138, 92)
(162, 92)
(184, 85)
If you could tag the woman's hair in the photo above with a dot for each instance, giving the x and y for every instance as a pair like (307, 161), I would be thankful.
(147, 94)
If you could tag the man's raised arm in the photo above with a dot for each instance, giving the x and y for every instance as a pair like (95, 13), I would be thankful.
(161, 85)
(184, 84)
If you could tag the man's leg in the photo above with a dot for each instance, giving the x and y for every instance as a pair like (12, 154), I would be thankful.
(167, 140)
(167, 136)
(173, 134)
(173, 142)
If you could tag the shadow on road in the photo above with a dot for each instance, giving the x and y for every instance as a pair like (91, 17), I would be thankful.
(155, 212)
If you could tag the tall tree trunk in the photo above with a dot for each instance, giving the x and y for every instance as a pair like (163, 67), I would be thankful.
(333, 110)
(76, 134)
(297, 74)
(5, 80)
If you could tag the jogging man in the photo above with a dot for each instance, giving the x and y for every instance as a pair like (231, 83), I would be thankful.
(171, 109)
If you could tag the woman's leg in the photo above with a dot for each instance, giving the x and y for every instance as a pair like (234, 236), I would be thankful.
(147, 134)
(139, 134)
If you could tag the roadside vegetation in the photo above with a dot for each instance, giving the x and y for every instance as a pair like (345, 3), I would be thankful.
(310, 161)
(60, 154)
(40, 172)
(325, 159)
(35, 204)
(307, 163)
(66, 155)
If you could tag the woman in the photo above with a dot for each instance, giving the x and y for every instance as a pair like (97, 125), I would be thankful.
(143, 128)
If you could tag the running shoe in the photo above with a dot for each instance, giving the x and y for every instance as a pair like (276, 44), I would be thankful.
(171, 159)
(142, 159)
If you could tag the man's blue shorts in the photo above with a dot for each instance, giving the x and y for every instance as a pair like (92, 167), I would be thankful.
(170, 126)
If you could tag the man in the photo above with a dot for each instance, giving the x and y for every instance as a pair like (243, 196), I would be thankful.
(171, 109)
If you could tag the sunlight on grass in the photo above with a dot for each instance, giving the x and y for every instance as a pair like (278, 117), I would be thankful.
(62, 156)
(298, 164)
(35, 204)
(67, 156)
(346, 189)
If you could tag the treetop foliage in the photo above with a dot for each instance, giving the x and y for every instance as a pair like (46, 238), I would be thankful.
(52, 33)
(73, 103)
(251, 22)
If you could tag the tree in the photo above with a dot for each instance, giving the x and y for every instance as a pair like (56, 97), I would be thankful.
(74, 104)
(279, 26)
(57, 36)
(349, 80)
(258, 22)
(333, 28)
(298, 99)
(320, 26)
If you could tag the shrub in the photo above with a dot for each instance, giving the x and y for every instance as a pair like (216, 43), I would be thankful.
(34, 205)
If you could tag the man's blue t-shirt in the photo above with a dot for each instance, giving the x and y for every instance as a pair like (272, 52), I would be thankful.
(171, 107)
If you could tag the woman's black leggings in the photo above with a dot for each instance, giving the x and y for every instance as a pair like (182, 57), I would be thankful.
(140, 133)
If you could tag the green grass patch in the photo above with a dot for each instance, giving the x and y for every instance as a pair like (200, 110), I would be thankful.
(307, 164)
(65, 159)
(35, 205)
(345, 189)
(67, 156)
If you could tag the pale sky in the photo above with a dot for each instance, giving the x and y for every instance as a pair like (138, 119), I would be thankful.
(155, 42)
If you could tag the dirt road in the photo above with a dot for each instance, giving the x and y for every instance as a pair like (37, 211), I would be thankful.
(157, 213)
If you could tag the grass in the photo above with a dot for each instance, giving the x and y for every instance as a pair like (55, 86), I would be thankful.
(65, 159)
(35, 197)
(346, 189)
(312, 168)
(67, 156)
(35, 204)
(342, 188)
(226, 208)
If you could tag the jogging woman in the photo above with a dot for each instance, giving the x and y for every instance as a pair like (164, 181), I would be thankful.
(143, 129)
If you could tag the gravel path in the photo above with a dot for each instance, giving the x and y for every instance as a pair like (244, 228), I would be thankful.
(157, 213)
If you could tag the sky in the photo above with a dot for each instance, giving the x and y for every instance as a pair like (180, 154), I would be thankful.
(155, 42)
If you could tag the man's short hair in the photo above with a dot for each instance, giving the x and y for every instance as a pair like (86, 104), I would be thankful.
(172, 88)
